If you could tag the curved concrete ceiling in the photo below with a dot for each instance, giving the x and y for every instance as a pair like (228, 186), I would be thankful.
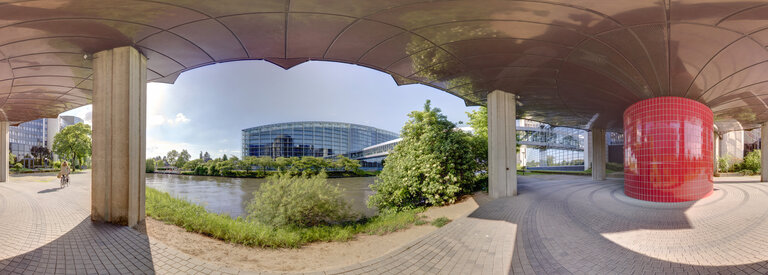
(571, 62)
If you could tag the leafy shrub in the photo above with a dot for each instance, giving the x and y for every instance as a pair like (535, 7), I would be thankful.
(441, 221)
(736, 165)
(752, 161)
(149, 166)
(286, 200)
(722, 164)
(18, 166)
(57, 164)
(433, 164)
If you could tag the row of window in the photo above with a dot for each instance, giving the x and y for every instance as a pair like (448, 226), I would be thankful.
(310, 139)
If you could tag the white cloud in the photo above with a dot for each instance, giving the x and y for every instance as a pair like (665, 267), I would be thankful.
(157, 120)
(180, 118)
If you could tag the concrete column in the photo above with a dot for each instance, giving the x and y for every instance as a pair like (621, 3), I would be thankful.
(119, 136)
(502, 139)
(763, 152)
(716, 152)
(588, 152)
(5, 145)
(598, 148)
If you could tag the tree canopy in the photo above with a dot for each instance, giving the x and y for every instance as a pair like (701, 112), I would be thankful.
(73, 142)
(182, 159)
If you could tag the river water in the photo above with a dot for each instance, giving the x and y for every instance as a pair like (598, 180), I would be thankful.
(231, 195)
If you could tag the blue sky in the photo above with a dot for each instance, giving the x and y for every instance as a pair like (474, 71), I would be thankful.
(207, 107)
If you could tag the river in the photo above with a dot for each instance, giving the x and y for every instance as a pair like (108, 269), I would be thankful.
(231, 195)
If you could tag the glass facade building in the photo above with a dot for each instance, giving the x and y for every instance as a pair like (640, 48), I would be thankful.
(547, 146)
(27, 135)
(311, 138)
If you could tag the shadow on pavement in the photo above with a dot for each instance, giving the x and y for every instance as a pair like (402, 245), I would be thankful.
(89, 248)
(49, 190)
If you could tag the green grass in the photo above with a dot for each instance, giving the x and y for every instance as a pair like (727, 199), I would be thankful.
(440, 222)
(194, 218)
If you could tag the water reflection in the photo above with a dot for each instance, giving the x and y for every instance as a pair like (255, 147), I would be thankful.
(231, 195)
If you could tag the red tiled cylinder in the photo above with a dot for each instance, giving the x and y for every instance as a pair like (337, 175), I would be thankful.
(668, 150)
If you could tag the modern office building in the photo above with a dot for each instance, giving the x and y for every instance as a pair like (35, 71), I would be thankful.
(39, 132)
(65, 121)
(311, 138)
(27, 135)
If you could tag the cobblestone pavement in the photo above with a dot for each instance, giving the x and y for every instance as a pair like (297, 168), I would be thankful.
(557, 225)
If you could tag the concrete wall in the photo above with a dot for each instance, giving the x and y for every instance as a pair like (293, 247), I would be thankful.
(732, 144)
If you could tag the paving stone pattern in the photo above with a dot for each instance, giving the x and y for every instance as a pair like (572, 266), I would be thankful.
(557, 225)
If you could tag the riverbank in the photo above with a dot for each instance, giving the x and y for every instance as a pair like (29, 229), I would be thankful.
(311, 257)
(195, 218)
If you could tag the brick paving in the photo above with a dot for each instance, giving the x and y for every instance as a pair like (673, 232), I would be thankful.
(557, 225)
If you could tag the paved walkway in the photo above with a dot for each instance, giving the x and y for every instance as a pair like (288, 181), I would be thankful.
(558, 224)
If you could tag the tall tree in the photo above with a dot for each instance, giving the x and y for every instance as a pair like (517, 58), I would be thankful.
(206, 157)
(201, 155)
(40, 153)
(183, 158)
(172, 156)
(478, 119)
(224, 158)
(73, 142)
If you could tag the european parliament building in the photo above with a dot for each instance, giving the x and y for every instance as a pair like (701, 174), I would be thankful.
(311, 138)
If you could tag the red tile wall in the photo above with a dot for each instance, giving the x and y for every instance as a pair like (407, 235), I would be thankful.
(668, 150)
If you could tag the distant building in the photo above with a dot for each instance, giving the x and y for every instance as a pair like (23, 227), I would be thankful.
(65, 121)
(372, 157)
(27, 135)
(311, 138)
(39, 132)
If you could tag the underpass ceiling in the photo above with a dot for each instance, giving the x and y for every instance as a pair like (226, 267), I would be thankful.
(575, 63)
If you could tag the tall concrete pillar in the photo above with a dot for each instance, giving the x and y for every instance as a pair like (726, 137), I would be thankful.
(119, 136)
(5, 145)
(502, 140)
(598, 148)
(588, 152)
(763, 152)
(716, 152)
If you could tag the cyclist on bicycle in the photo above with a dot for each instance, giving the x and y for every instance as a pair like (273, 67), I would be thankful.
(64, 173)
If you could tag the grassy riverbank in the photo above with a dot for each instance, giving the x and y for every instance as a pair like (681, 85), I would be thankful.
(195, 218)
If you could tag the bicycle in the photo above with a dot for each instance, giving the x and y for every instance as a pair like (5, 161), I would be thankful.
(64, 181)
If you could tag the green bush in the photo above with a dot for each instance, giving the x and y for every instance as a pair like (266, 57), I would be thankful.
(18, 166)
(286, 200)
(149, 166)
(722, 164)
(57, 164)
(434, 164)
(752, 161)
